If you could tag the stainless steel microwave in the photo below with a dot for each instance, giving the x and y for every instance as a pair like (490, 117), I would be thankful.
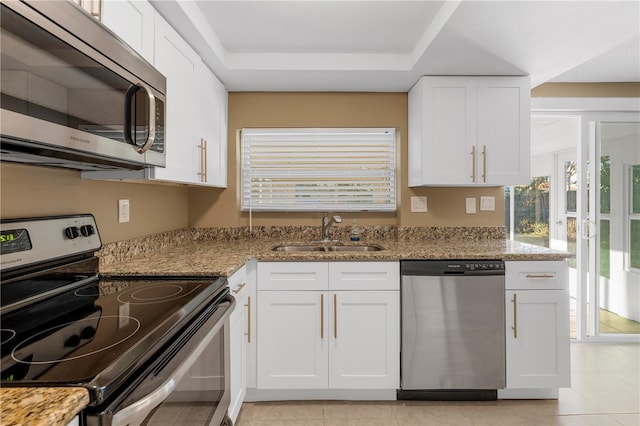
(73, 94)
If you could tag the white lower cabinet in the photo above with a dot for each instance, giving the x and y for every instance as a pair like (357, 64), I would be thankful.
(363, 341)
(242, 288)
(292, 340)
(537, 325)
(318, 338)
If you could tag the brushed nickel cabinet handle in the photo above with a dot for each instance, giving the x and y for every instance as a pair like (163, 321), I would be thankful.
(335, 316)
(206, 164)
(484, 163)
(239, 288)
(515, 316)
(248, 305)
(322, 316)
(473, 163)
(540, 276)
(201, 146)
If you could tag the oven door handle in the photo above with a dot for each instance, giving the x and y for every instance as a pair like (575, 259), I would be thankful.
(143, 405)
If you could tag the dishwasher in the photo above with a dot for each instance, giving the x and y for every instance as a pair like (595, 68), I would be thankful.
(453, 329)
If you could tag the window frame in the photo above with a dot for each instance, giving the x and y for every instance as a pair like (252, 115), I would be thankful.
(288, 176)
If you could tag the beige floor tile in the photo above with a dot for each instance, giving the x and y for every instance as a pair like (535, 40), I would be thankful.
(282, 422)
(282, 411)
(358, 410)
(588, 420)
(627, 419)
(389, 421)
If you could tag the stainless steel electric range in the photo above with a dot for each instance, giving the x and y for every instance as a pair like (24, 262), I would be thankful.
(130, 341)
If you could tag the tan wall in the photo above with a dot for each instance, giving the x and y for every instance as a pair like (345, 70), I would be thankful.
(40, 191)
(209, 207)
(587, 90)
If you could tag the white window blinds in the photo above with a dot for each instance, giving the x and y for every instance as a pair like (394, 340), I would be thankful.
(338, 170)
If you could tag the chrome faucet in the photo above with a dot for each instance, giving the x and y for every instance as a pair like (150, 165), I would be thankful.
(326, 224)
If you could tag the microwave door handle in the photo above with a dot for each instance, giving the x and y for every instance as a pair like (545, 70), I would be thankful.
(152, 114)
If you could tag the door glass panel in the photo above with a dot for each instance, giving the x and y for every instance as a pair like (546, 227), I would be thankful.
(605, 245)
(634, 219)
(635, 244)
(571, 186)
(619, 229)
(531, 212)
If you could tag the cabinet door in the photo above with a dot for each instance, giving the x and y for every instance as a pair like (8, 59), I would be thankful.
(364, 340)
(177, 61)
(133, 22)
(237, 360)
(537, 340)
(442, 131)
(503, 131)
(211, 127)
(292, 346)
(238, 340)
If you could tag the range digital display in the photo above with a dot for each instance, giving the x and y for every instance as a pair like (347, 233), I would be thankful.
(14, 241)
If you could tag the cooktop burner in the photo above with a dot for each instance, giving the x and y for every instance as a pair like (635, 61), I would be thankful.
(6, 335)
(158, 293)
(74, 336)
(23, 352)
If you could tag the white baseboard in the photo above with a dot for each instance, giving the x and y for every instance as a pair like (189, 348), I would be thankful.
(255, 395)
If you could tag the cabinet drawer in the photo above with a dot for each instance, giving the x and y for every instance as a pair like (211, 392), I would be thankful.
(293, 276)
(364, 276)
(537, 275)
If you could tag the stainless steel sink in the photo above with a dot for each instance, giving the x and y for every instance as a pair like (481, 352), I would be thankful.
(326, 248)
(298, 248)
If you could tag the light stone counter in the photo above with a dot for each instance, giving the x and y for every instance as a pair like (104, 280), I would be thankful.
(211, 257)
(41, 406)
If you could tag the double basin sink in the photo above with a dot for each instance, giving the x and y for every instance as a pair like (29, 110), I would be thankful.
(327, 248)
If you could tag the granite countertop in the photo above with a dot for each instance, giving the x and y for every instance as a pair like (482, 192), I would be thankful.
(211, 258)
(41, 406)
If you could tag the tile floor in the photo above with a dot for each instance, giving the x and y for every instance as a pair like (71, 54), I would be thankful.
(605, 391)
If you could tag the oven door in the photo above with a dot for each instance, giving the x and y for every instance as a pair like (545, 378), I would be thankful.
(165, 386)
(63, 99)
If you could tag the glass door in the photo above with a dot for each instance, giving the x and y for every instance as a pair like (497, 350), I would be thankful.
(612, 229)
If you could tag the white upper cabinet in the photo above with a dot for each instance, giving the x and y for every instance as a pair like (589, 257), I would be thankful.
(133, 21)
(211, 127)
(196, 107)
(177, 61)
(469, 131)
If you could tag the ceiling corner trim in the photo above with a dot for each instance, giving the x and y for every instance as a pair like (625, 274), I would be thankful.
(432, 31)
(318, 62)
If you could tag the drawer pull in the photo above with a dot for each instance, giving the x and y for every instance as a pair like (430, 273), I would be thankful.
(515, 316)
(540, 276)
(322, 316)
(239, 288)
(335, 316)
(248, 305)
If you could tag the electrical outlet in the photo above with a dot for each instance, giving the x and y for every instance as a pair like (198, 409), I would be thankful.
(418, 204)
(123, 211)
(488, 203)
(470, 207)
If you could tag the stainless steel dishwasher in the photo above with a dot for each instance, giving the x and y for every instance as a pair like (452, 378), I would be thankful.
(453, 338)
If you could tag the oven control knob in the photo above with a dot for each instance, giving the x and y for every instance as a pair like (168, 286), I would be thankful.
(72, 341)
(72, 232)
(88, 332)
(87, 230)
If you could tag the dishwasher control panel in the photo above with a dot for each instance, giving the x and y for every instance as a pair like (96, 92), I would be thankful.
(451, 267)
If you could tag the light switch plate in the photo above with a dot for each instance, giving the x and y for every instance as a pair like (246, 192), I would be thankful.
(123, 211)
(471, 205)
(488, 203)
(418, 204)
